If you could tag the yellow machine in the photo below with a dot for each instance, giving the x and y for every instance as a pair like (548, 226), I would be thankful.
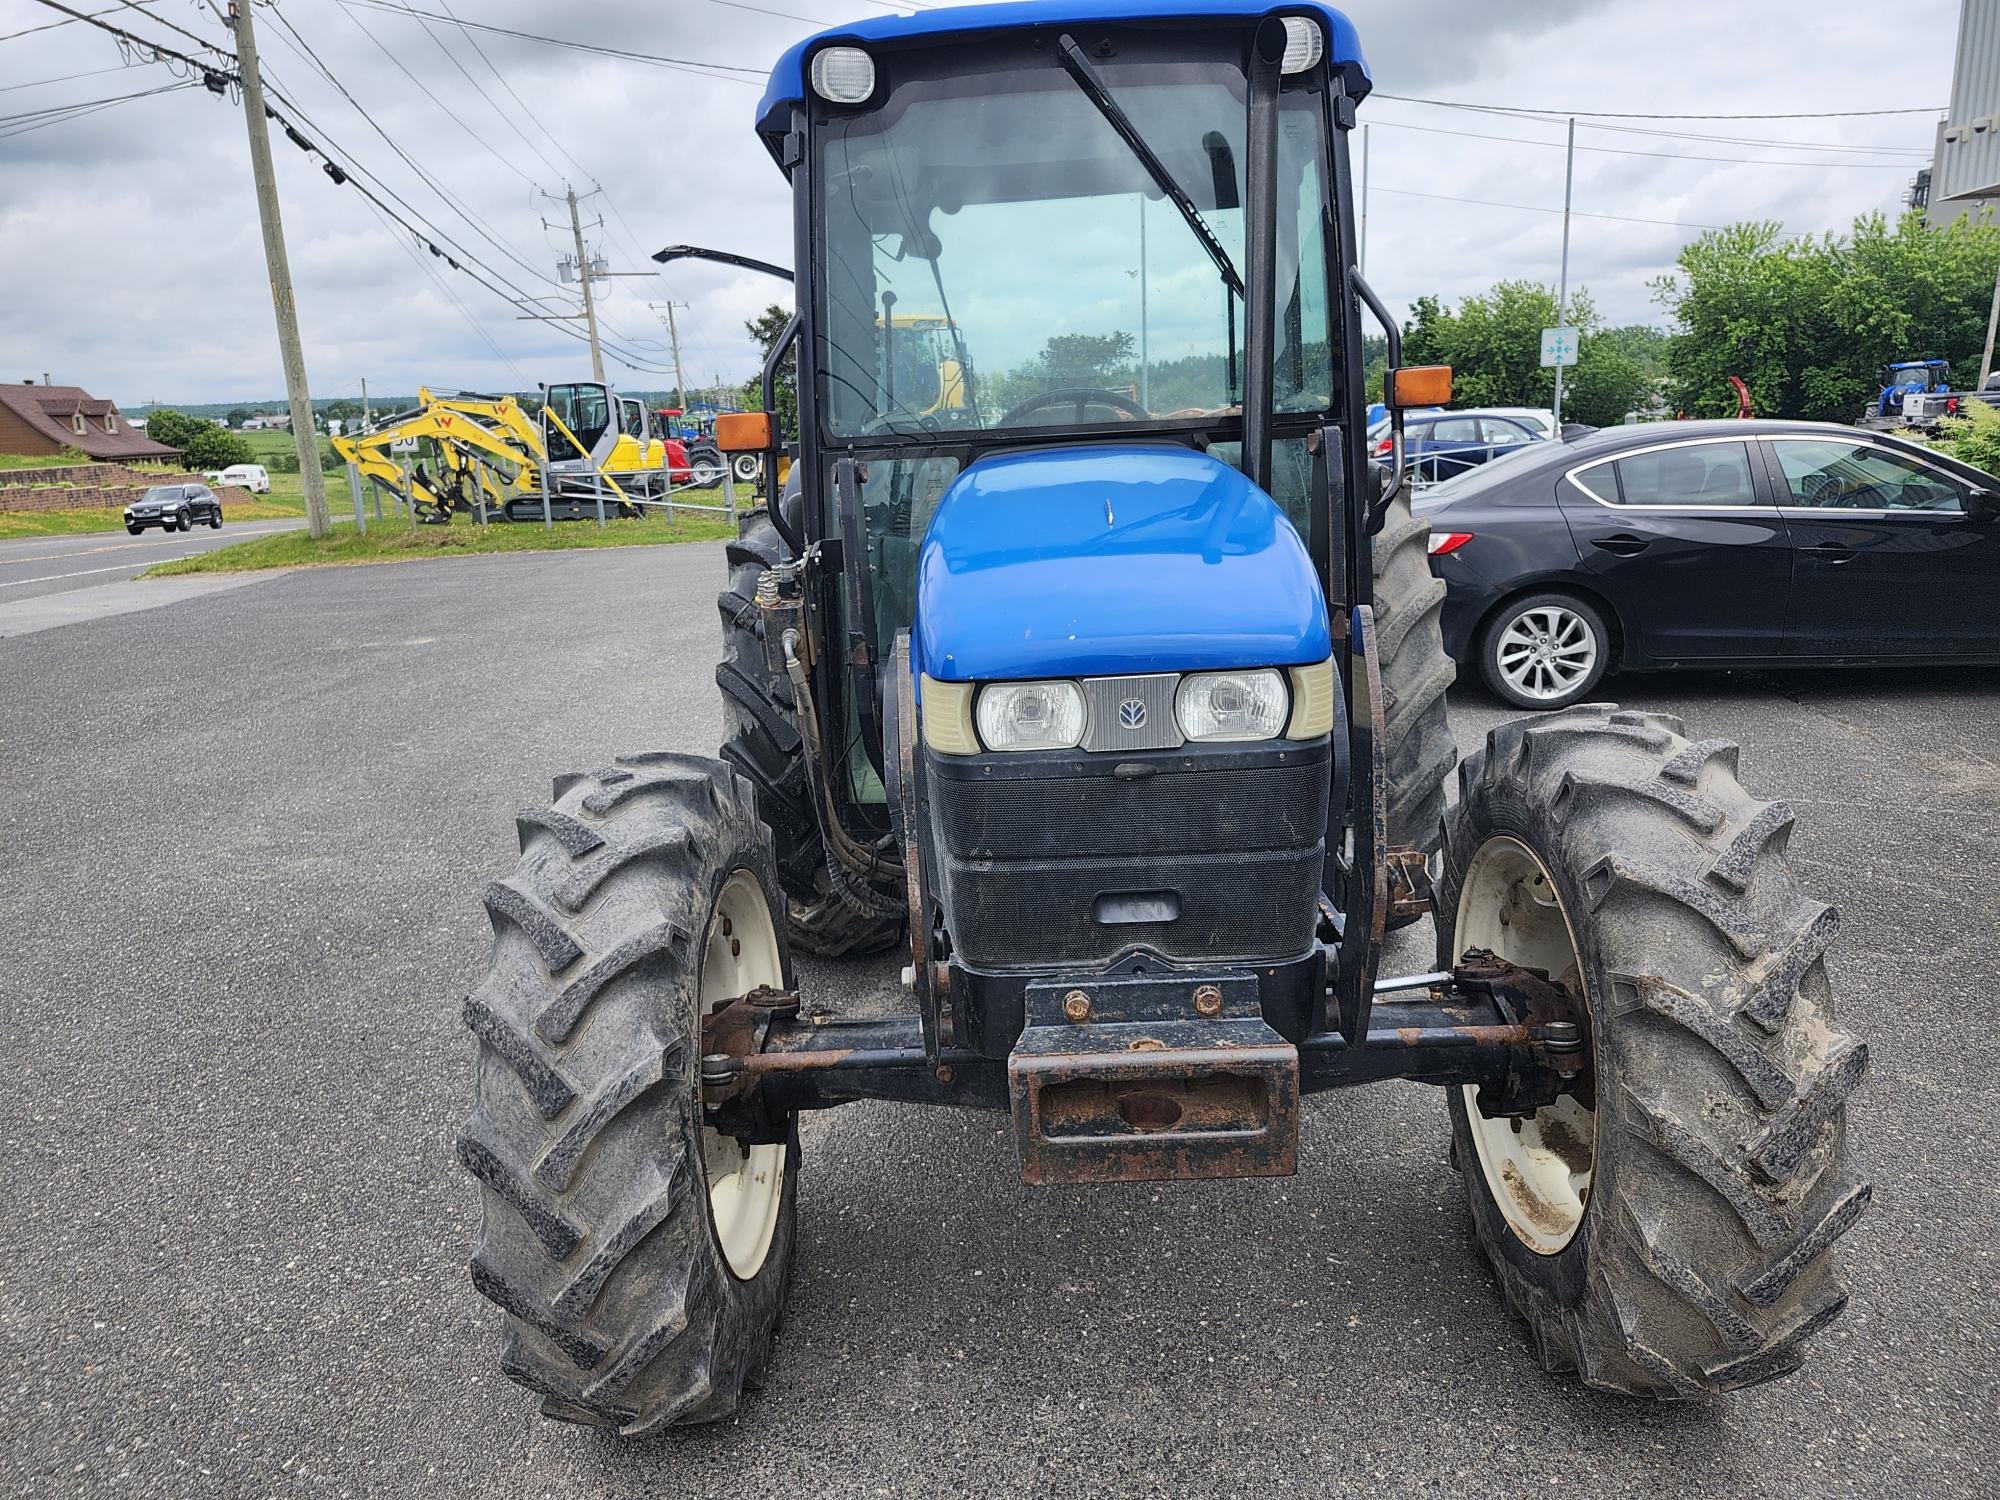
(491, 443)
(924, 362)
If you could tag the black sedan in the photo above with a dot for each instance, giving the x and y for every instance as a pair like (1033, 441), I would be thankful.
(1713, 544)
(173, 507)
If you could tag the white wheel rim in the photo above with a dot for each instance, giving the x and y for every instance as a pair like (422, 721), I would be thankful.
(1539, 1170)
(745, 1184)
(1546, 651)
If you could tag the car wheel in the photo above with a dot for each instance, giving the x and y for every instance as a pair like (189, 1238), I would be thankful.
(1545, 651)
(215, 519)
(135, 530)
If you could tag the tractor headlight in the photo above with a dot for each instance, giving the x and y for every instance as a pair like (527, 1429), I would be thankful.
(1231, 705)
(844, 75)
(1030, 715)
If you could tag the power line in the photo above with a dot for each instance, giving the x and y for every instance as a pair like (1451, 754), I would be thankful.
(1743, 161)
(684, 64)
(56, 114)
(74, 17)
(341, 176)
(473, 221)
(509, 87)
(480, 89)
(1534, 208)
(133, 5)
(449, 112)
(36, 83)
(1612, 114)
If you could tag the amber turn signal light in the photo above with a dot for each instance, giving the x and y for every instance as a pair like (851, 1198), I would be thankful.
(743, 431)
(1420, 385)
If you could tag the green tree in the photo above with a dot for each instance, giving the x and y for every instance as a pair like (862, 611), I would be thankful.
(1493, 343)
(1808, 323)
(211, 447)
(341, 411)
(767, 328)
(1088, 358)
(237, 417)
(174, 428)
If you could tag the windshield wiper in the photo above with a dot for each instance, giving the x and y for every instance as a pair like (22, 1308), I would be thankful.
(1093, 87)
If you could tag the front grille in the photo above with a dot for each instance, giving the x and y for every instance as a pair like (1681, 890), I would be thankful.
(1131, 713)
(1074, 858)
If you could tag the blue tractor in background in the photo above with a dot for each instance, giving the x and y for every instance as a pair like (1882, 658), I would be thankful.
(1910, 377)
(1114, 697)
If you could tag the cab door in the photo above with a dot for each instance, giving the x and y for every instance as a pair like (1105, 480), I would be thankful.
(1690, 545)
(1886, 559)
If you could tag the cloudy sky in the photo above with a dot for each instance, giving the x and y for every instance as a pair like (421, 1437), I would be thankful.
(130, 252)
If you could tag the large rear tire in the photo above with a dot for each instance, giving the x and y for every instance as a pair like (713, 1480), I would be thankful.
(1409, 643)
(761, 738)
(1665, 1232)
(641, 1258)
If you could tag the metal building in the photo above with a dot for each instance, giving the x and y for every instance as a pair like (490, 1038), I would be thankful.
(1965, 164)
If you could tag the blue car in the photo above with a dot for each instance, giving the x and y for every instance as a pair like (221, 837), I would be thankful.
(1441, 444)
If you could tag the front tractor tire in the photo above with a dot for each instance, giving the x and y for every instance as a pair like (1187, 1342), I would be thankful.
(1665, 1230)
(641, 1258)
(1419, 752)
(761, 739)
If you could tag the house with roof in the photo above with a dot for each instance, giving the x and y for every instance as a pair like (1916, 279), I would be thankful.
(39, 419)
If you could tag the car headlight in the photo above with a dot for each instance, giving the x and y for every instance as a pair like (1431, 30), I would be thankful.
(1030, 715)
(1231, 705)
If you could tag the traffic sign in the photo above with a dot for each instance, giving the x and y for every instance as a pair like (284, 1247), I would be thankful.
(1559, 346)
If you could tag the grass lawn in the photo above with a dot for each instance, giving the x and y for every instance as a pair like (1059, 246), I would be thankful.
(14, 525)
(396, 541)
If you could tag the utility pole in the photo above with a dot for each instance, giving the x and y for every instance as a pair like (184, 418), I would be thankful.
(1992, 321)
(589, 303)
(674, 338)
(1562, 293)
(367, 421)
(289, 351)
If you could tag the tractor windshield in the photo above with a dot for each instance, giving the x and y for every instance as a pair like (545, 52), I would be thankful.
(997, 256)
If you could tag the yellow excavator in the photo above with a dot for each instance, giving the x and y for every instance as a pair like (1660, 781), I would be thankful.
(588, 440)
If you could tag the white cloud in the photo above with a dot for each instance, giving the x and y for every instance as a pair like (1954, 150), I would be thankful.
(129, 238)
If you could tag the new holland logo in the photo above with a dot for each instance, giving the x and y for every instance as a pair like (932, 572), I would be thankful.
(1132, 713)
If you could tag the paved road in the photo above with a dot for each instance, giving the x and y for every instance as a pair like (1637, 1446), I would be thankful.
(39, 566)
(241, 912)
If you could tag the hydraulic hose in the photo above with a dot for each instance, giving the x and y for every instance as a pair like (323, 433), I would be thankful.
(851, 865)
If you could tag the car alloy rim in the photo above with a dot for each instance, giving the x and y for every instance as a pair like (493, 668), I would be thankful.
(1538, 1169)
(745, 1183)
(1546, 651)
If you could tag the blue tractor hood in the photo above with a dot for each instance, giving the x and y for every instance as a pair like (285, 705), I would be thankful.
(1113, 559)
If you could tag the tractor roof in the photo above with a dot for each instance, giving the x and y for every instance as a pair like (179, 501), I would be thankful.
(788, 78)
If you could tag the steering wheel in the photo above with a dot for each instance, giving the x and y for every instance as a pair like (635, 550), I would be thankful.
(1080, 397)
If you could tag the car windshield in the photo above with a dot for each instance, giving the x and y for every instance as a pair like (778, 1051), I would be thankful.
(162, 492)
(997, 256)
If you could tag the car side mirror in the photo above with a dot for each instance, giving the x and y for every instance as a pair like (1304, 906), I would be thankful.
(1982, 505)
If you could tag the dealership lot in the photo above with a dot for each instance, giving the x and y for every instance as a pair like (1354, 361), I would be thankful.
(243, 901)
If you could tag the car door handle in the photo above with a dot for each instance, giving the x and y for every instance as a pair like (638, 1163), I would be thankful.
(1622, 544)
(1834, 553)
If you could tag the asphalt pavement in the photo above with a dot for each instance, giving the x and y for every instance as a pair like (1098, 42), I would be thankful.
(242, 906)
(60, 580)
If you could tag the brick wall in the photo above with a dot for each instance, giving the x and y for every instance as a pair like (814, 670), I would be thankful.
(89, 487)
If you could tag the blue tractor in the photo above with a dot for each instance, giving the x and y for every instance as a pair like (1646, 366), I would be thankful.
(1910, 377)
(1114, 696)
